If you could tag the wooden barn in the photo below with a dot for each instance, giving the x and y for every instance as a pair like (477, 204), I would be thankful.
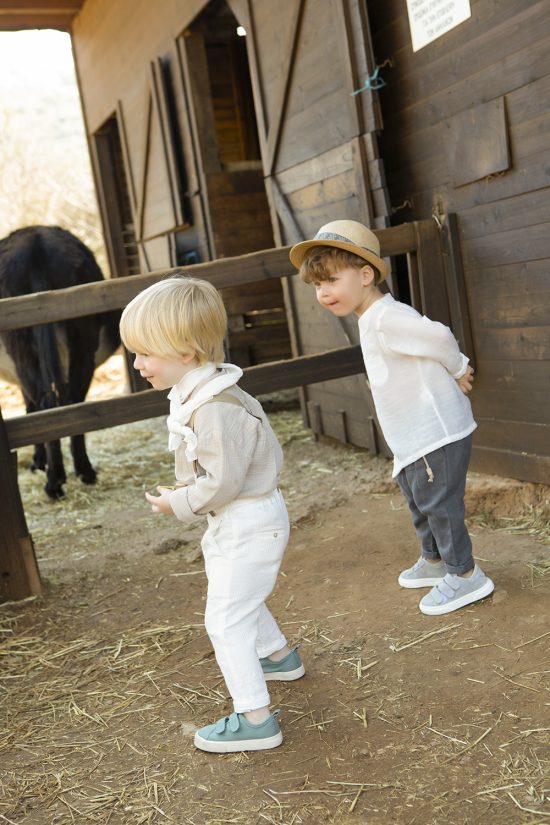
(221, 128)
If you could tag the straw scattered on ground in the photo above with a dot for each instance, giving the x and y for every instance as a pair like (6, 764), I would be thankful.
(401, 718)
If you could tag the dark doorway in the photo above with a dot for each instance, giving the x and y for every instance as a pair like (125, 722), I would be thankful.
(116, 209)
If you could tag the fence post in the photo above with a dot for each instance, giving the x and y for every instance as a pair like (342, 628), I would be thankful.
(19, 576)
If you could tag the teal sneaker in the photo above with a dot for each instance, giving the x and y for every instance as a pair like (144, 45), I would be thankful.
(235, 733)
(286, 670)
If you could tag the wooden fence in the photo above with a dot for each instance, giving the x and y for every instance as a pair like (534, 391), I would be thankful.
(421, 242)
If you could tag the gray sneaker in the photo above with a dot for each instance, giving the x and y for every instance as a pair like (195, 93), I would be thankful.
(423, 574)
(454, 592)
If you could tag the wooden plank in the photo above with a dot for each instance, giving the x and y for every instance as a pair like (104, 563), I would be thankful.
(142, 195)
(513, 246)
(255, 75)
(333, 162)
(19, 576)
(507, 435)
(517, 344)
(433, 290)
(188, 130)
(126, 158)
(477, 144)
(323, 133)
(456, 288)
(281, 98)
(531, 408)
(89, 299)
(162, 109)
(528, 308)
(524, 209)
(359, 63)
(277, 333)
(522, 466)
(515, 390)
(325, 193)
(197, 76)
(89, 416)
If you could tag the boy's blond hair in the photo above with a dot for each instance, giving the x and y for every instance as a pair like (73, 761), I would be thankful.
(321, 262)
(174, 316)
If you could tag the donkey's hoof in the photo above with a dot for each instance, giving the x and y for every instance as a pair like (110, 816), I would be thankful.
(54, 491)
(88, 476)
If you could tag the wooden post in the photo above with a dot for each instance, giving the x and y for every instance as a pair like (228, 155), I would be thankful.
(19, 576)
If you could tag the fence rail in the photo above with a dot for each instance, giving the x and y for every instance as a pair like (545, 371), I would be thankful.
(49, 425)
(102, 296)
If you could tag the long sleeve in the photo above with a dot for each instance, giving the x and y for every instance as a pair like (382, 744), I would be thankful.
(420, 337)
(412, 364)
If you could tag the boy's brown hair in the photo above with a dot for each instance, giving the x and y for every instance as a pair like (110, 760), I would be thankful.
(321, 262)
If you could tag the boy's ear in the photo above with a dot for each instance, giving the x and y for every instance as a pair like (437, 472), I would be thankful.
(188, 356)
(368, 274)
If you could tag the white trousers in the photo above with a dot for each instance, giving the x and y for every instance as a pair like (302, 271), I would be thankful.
(243, 548)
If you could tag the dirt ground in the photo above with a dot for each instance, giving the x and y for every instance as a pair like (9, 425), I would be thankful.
(401, 719)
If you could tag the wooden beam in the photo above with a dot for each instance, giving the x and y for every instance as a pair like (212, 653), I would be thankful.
(89, 299)
(88, 416)
(256, 78)
(101, 296)
(158, 87)
(19, 576)
(145, 168)
(279, 106)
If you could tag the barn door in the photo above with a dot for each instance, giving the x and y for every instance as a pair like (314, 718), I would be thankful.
(222, 121)
(317, 133)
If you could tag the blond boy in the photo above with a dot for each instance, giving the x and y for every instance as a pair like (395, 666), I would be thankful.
(227, 465)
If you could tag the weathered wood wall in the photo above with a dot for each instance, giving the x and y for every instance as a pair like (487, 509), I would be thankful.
(492, 69)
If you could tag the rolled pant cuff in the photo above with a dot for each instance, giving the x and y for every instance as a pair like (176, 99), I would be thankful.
(458, 570)
(431, 556)
(253, 704)
(272, 648)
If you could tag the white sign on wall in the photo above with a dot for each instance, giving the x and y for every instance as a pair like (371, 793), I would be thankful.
(429, 19)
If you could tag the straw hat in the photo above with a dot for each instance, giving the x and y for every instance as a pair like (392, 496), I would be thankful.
(349, 235)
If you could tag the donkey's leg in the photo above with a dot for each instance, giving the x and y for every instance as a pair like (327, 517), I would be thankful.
(39, 457)
(81, 370)
(48, 456)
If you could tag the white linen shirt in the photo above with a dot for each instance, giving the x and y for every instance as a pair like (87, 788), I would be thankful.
(238, 456)
(412, 364)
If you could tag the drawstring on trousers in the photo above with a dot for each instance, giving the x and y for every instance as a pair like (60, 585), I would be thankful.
(429, 470)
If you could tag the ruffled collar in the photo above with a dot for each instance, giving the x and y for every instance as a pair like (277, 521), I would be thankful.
(195, 389)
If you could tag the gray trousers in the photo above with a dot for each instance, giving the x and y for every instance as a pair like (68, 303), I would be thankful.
(437, 506)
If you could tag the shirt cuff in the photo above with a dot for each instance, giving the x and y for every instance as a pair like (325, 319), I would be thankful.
(463, 368)
(179, 502)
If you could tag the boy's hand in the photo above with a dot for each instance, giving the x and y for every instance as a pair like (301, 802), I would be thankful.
(161, 503)
(465, 382)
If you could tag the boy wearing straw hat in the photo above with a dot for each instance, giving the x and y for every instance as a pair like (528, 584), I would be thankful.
(419, 381)
(228, 462)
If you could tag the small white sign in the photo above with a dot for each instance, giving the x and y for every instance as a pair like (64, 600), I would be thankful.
(429, 19)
